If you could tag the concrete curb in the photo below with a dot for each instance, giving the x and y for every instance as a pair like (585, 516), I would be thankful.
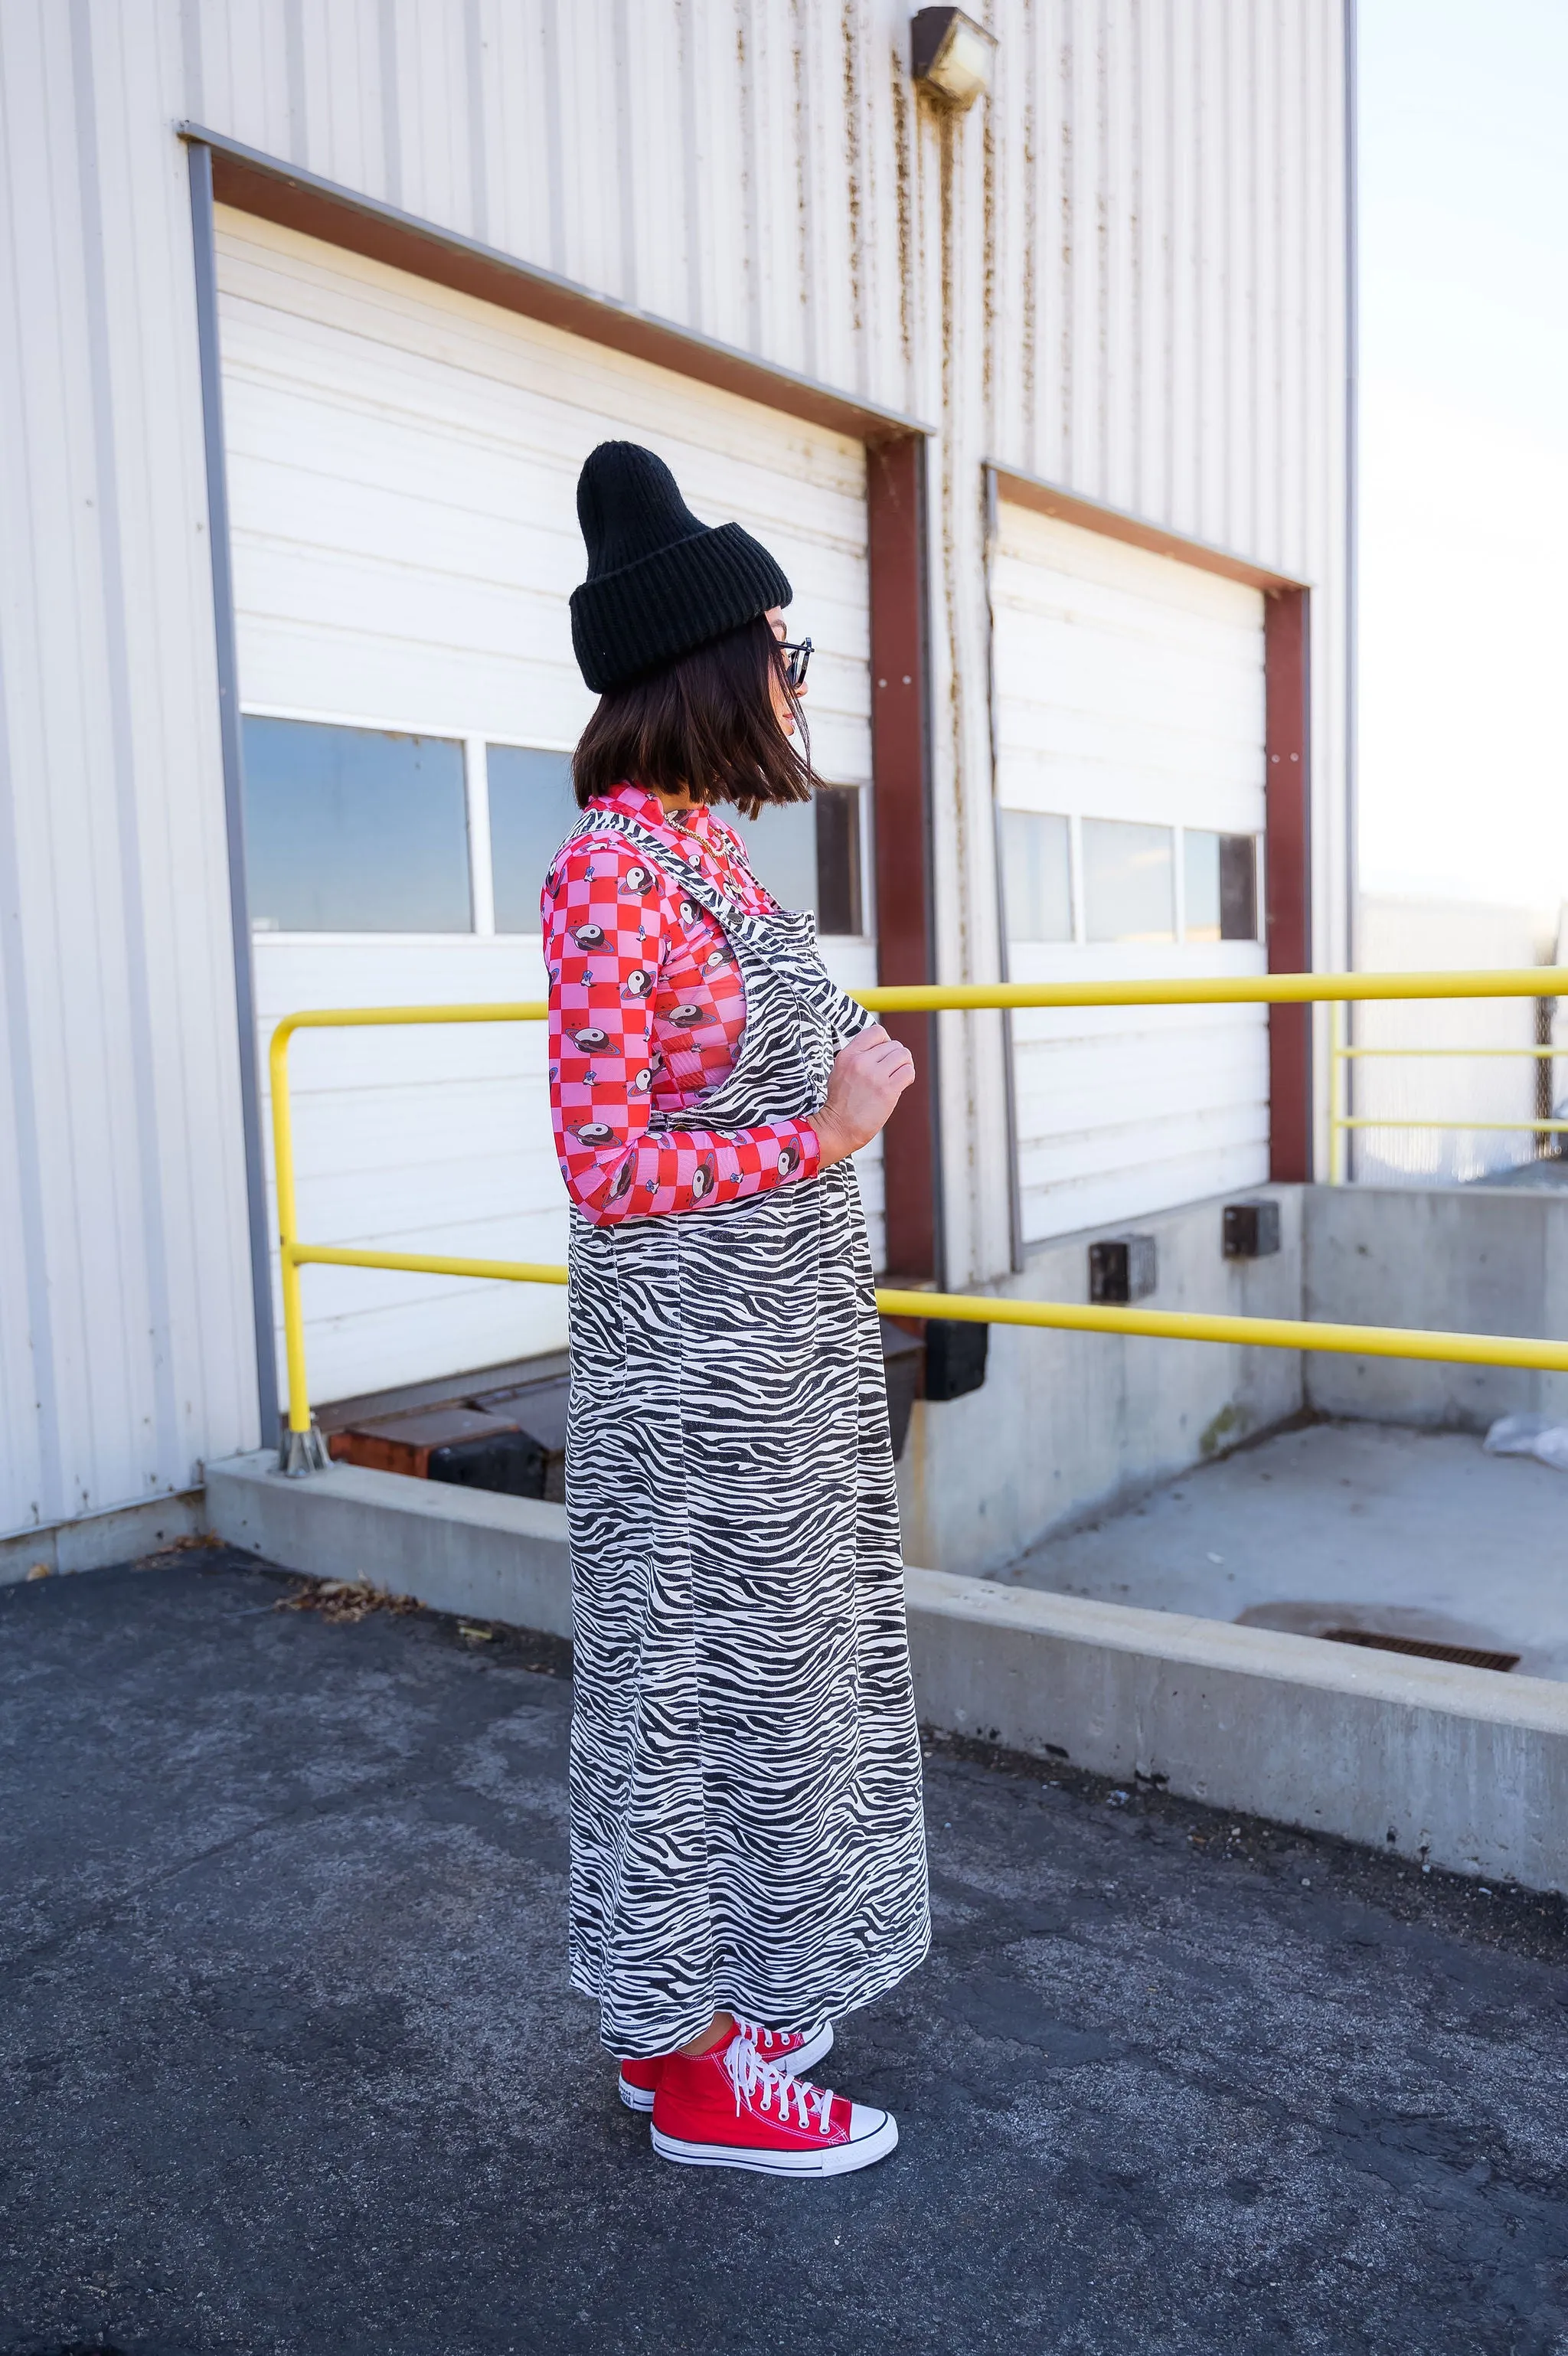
(1462, 1768)
(456, 1549)
(96, 1540)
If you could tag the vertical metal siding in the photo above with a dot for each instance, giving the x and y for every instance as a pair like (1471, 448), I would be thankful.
(1124, 273)
(123, 1198)
(1165, 203)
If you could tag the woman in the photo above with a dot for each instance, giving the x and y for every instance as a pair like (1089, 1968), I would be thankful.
(747, 1848)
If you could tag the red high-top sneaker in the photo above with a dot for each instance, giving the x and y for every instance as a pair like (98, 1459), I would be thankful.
(729, 2108)
(793, 2050)
(639, 2082)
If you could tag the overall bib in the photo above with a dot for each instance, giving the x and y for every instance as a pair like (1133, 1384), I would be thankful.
(746, 1827)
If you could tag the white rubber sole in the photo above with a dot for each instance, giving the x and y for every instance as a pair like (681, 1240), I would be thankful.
(837, 2160)
(638, 2098)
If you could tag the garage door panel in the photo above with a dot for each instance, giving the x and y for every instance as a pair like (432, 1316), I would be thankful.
(1057, 667)
(1148, 1087)
(353, 1202)
(403, 465)
(1130, 686)
(1101, 567)
(1108, 777)
(355, 594)
(422, 1328)
(1118, 752)
(469, 1057)
(1164, 631)
(439, 354)
(354, 302)
(1121, 1154)
(515, 543)
(395, 683)
(1184, 751)
(1175, 734)
(1107, 1198)
(465, 595)
(492, 485)
(392, 623)
(1165, 1072)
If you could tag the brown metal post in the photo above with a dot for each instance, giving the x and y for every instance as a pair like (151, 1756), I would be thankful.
(1288, 817)
(895, 495)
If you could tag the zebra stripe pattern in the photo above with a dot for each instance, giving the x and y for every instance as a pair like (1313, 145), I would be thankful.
(746, 1827)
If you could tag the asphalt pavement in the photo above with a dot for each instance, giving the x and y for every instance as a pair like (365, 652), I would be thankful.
(288, 2065)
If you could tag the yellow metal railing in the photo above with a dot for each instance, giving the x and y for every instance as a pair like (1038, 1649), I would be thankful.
(1341, 1055)
(1271, 1333)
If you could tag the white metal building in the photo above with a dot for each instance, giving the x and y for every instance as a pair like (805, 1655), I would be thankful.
(313, 309)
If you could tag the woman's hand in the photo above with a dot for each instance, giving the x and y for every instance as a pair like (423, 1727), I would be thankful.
(869, 1077)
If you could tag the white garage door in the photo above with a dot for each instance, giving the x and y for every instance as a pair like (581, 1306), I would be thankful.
(403, 469)
(1130, 775)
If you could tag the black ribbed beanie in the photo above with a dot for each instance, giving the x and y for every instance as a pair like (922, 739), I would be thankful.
(659, 583)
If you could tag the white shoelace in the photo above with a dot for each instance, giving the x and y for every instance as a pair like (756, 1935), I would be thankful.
(759, 2037)
(751, 2076)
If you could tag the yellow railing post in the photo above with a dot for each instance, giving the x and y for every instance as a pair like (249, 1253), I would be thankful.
(303, 1448)
(1336, 1095)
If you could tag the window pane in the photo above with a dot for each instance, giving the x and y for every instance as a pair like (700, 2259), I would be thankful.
(808, 855)
(1220, 875)
(1200, 873)
(1129, 873)
(781, 843)
(1238, 887)
(1037, 876)
(354, 830)
(532, 811)
(839, 908)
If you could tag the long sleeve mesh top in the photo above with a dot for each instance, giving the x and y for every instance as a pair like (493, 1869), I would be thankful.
(646, 1012)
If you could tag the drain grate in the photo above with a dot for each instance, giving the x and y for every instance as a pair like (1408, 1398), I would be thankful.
(1466, 1657)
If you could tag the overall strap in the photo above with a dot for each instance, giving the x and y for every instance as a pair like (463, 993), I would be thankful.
(675, 865)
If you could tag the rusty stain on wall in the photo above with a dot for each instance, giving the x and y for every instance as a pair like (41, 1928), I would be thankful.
(746, 82)
(947, 135)
(903, 175)
(1135, 251)
(849, 33)
(1028, 321)
(1101, 388)
(988, 265)
(1065, 170)
(802, 109)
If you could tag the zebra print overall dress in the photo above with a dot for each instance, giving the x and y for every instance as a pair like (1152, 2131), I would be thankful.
(746, 1826)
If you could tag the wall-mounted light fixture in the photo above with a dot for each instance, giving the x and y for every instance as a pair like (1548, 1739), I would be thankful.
(951, 55)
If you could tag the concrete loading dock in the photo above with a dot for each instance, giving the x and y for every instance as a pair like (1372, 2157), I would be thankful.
(1070, 1427)
(1458, 1767)
(1350, 1526)
(1466, 1767)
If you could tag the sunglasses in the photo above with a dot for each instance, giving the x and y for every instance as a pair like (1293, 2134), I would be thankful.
(796, 660)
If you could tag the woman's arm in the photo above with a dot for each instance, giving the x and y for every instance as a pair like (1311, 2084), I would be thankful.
(607, 924)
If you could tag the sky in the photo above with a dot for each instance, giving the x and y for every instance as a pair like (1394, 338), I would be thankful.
(1464, 448)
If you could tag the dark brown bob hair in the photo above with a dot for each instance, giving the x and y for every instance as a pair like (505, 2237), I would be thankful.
(708, 723)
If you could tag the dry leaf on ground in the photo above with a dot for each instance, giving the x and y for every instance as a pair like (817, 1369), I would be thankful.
(343, 1600)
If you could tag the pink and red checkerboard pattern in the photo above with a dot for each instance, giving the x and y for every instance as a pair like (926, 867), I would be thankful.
(646, 1010)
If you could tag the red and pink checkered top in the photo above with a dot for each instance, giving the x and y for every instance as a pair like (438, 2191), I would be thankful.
(646, 1010)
